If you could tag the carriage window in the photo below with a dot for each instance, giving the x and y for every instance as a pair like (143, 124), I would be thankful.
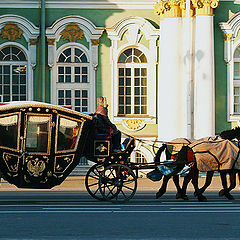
(9, 131)
(68, 132)
(37, 134)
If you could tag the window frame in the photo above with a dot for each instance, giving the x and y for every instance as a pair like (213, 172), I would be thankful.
(73, 85)
(150, 117)
(16, 63)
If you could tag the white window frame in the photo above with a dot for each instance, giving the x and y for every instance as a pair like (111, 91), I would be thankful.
(231, 29)
(72, 86)
(132, 25)
(29, 73)
(133, 66)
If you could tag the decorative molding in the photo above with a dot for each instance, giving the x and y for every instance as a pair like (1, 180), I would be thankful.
(76, 4)
(95, 42)
(51, 41)
(33, 41)
(11, 31)
(205, 7)
(134, 124)
(72, 32)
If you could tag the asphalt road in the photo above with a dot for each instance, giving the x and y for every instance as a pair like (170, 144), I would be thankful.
(75, 215)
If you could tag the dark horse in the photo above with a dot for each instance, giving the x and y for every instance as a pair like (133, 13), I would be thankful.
(193, 173)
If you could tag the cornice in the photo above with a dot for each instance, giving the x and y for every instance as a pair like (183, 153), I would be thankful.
(91, 4)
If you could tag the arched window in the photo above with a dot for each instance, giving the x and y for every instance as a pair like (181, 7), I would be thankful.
(73, 79)
(137, 157)
(13, 74)
(132, 82)
(236, 80)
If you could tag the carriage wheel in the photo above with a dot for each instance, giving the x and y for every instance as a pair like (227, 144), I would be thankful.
(117, 183)
(92, 181)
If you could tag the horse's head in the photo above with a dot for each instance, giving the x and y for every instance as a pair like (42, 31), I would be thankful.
(231, 134)
(237, 132)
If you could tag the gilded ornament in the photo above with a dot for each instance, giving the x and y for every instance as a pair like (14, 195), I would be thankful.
(134, 124)
(205, 7)
(169, 8)
(72, 32)
(228, 36)
(33, 41)
(11, 31)
(95, 42)
(35, 167)
(50, 41)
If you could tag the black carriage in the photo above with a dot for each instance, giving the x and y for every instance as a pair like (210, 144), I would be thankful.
(40, 145)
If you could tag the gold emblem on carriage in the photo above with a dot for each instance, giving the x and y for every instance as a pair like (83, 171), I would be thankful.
(101, 148)
(35, 167)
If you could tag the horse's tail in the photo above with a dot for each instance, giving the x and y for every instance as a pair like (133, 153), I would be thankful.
(159, 153)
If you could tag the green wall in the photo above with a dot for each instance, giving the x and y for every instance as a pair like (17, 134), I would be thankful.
(222, 14)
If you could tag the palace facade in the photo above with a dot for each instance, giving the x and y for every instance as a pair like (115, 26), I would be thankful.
(168, 69)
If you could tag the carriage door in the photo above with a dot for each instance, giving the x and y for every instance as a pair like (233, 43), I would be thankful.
(9, 146)
(37, 148)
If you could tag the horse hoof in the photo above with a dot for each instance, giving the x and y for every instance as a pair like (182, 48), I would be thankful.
(159, 194)
(185, 198)
(178, 195)
(229, 196)
(221, 193)
(202, 198)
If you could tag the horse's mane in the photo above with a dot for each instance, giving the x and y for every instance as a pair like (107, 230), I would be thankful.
(230, 134)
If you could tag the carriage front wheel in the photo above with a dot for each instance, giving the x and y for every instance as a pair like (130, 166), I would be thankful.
(92, 181)
(117, 183)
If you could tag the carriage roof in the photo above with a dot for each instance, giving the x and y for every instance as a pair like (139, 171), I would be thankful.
(30, 104)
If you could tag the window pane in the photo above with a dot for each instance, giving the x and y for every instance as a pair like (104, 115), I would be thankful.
(84, 70)
(121, 71)
(237, 69)
(60, 70)
(68, 79)
(68, 132)
(84, 79)
(128, 71)
(9, 131)
(37, 134)
(77, 78)
(84, 93)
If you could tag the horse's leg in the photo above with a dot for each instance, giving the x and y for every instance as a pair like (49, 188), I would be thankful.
(223, 175)
(186, 181)
(179, 190)
(163, 188)
(209, 176)
(194, 174)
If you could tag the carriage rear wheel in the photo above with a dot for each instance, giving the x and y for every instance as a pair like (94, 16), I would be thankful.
(117, 183)
(92, 181)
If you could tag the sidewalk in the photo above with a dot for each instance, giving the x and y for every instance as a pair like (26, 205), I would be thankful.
(77, 183)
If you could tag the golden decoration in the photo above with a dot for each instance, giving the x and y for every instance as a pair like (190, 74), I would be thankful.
(169, 9)
(228, 36)
(35, 167)
(205, 7)
(72, 32)
(134, 124)
(50, 41)
(11, 31)
(33, 41)
(95, 42)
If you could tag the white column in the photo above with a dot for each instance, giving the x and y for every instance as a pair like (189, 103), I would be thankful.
(170, 80)
(204, 89)
(187, 94)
